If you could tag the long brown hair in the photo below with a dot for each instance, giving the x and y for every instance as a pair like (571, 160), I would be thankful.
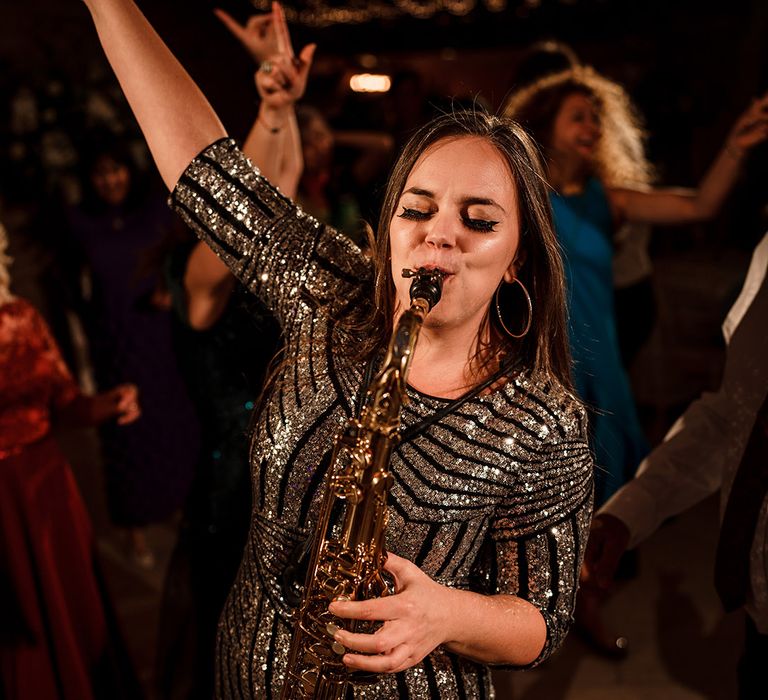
(545, 347)
(620, 159)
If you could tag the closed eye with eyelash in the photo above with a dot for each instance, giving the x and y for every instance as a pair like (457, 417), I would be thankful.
(474, 224)
(414, 214)
(479, 224)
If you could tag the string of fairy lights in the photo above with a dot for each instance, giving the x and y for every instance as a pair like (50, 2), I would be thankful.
(319, 13)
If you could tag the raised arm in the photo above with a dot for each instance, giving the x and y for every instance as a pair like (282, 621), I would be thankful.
(676, 206)
(292, 165)
(174, 115)
(273, 142)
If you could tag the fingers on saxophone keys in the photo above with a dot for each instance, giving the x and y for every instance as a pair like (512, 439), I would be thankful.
(396, 660)
(373, 609)
(381, 642)
(333, 631)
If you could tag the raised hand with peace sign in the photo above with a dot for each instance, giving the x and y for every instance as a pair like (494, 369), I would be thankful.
(282, 76)
(257, 35)
(274, 143)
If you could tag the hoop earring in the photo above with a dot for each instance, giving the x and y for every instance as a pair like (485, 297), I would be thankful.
(529, 320)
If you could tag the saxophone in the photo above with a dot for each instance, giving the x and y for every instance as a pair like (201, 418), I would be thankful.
(347, 554)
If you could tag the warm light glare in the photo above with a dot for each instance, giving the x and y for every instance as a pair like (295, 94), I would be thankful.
(370, 82)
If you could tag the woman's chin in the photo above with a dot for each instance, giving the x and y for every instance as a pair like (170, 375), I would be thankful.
(586, 154)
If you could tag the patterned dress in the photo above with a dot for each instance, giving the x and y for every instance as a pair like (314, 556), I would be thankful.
(495, 498)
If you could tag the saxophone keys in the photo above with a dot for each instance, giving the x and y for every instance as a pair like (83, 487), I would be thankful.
(308, 681)
(353, 495)
(332, 587)
(336, 647)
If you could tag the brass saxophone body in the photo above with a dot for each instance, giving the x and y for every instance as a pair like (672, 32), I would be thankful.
(348, 555)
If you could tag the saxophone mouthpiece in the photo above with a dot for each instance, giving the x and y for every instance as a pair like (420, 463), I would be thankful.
(427, 284)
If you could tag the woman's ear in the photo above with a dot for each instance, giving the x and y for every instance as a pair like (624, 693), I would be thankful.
(511, 272)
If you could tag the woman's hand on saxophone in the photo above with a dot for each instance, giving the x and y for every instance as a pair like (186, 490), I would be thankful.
(423, 614)
(415, 621)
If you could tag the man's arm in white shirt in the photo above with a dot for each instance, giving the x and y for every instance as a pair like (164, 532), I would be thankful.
(703, 445)
(686, 468)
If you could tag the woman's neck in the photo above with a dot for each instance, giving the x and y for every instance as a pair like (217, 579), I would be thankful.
(441, 364)
(567, 174)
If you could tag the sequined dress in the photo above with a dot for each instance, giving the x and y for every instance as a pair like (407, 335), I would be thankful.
(495, 498)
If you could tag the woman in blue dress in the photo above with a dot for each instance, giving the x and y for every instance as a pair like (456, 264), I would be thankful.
(594, 155)
(593, 147)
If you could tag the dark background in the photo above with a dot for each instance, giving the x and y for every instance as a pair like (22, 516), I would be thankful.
(690, 66)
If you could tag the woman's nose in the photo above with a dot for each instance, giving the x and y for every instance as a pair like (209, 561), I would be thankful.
(441, 233)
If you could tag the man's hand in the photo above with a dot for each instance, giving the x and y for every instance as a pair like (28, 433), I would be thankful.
(608, 540)
(750, 128)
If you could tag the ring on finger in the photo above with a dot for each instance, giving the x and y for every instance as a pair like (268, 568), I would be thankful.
(266, 66)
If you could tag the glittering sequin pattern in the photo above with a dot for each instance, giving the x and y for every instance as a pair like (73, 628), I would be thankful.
(496, 497)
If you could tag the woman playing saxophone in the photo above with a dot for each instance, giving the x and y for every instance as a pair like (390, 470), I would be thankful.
(491, 489)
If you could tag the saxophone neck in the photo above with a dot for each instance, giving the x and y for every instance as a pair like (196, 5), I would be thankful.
(420, 307)
(387, 391)
(403, 341)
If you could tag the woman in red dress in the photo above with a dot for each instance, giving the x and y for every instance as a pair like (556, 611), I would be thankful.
(54, 628)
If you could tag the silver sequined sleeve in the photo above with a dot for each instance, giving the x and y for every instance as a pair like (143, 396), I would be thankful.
(541, 529)
(274, 248)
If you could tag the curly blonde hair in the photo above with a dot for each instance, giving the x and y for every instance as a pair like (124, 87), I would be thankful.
(620, 159)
